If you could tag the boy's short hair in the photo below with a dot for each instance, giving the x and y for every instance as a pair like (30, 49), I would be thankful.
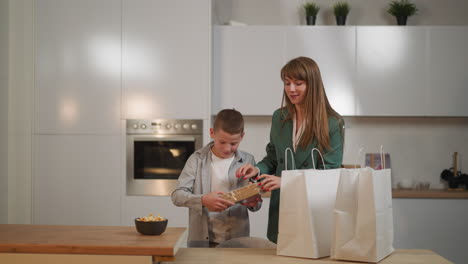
(230, 121)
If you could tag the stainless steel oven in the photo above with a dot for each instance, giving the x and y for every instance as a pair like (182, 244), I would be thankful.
(157, 151)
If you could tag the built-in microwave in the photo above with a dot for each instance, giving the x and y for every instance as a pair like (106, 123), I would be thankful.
(157, 151)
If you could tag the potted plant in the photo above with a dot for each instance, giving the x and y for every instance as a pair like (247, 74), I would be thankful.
(341, 10)
(311, 9)
(402, 9)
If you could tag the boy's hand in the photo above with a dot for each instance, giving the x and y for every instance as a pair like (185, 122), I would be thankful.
(252, 201)
(247, 171)
(214, 203)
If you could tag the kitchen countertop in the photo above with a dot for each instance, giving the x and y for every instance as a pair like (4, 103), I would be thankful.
(431, 193)
(89, 240)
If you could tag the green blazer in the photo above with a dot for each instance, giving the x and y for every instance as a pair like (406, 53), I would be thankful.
(274, 162)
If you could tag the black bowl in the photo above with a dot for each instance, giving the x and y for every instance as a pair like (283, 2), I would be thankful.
(150, 228)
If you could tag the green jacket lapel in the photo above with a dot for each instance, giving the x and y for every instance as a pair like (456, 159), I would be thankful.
(286, 142)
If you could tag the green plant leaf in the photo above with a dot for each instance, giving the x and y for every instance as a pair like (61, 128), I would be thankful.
(311, 8)
(341, 9)
(402, 8)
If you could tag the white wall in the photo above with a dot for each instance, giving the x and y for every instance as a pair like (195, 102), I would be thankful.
(420, 148)
(4, 111)
(363, 12)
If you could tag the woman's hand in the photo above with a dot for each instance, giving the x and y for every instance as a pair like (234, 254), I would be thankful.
(247, 171)
(214, 203)
(269, 182)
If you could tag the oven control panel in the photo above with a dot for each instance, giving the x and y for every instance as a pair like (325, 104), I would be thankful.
(165, 126)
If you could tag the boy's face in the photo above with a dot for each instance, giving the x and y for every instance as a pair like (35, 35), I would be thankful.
(225, 144)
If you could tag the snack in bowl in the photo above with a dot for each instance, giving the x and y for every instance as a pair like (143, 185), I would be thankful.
(151, 225)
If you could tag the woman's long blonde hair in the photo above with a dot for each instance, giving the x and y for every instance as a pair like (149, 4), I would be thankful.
(316, 108)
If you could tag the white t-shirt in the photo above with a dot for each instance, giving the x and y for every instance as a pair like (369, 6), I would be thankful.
(219, 183)
(219, 173)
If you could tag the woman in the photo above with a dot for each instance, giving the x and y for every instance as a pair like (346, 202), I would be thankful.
(305, 121)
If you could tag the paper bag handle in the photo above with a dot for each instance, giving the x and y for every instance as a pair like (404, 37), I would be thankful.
(382, 157)
(286, 159)
(358, 156)
(313, 162)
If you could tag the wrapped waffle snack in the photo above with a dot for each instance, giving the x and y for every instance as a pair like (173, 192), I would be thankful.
(241, 194)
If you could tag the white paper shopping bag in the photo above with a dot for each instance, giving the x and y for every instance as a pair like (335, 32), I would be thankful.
(307, 201)
(363, 215)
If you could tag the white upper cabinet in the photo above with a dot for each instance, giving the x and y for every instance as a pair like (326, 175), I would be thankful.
(448, 71)
(366, 70)
(77, 65)
(246, 69)
(248, 61)
(333, 48)
(166, 54)
(392, 71)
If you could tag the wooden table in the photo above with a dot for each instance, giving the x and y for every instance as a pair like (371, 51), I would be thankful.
(86, 244)
(122, 245)
(268, 256)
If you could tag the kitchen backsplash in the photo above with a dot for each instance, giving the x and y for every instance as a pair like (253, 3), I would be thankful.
(420, 148)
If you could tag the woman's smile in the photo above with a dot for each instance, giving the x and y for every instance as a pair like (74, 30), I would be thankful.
(295, 90)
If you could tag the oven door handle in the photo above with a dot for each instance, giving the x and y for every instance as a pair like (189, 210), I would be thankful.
(162, 138)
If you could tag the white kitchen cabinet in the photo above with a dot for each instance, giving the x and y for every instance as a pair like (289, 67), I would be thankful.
(246, 69)
(432, 224)
(366, 70)
(77, 66)
(248, 61)
(166, 57)
(77, 180)
(448, 78)
(333, 48)
(392, 67)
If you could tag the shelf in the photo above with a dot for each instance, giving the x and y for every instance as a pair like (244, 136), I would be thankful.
(430, 194)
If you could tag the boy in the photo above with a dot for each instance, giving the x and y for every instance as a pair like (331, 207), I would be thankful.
(209, 172)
